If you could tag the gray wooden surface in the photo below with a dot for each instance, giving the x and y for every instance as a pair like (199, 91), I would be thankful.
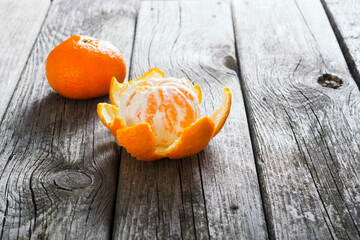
(58, 164)
(20, 25)
(285, 166)
(306, 136)
(215, 193)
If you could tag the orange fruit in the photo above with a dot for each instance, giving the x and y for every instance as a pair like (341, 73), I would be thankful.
(155, 117)
(81, 67)
(167, 104)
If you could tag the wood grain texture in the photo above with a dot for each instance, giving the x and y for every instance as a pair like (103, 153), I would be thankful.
(20, 25)
(306, 136)
(58, 165)
(214, 194)
(344, 18)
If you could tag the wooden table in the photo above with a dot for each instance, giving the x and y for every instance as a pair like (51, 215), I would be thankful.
(285, 166)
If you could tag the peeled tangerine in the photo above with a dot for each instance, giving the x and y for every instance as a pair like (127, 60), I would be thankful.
(155, 117)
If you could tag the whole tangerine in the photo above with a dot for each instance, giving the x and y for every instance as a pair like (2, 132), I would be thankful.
(81, 67)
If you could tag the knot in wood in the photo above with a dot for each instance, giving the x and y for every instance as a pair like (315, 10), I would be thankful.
(230, 62)
(71, 180)
(330, 81)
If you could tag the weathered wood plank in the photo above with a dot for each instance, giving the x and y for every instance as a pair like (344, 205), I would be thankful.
(306, 135)
(20, 25)
(58, 164)
(215, 193)
(344, 18)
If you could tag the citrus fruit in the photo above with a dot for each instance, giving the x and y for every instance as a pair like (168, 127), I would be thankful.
(156, 116)
(81, 67)
(167, 104)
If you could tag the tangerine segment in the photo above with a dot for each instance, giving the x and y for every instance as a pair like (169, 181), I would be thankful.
(139, 141)
(108, 116)
(117, 89)
(220, 115)
(193, 139)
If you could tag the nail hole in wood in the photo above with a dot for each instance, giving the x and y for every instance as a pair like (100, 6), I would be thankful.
(229, 62)
(330, 81)
(234, 207)
(71, 180)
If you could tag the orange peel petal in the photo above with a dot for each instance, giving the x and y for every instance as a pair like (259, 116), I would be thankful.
(116, 90)
(107, 113)
(193, 139)
(108, 116)
(198, 92)
(220, 115)
(152, 73)
(117, 124)
(139, 141)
